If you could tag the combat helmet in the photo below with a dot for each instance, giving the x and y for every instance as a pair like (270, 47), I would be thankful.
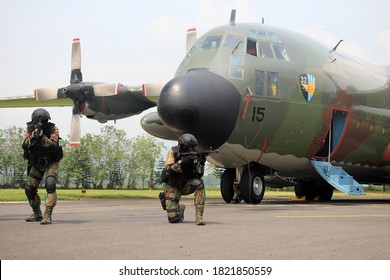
(40, 115)
(187, 141)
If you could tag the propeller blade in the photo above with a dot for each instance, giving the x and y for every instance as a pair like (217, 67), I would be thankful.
(191, 39)
(47, 93)
(106, 89)
(75, 130)
(152, 89)
(76, 75)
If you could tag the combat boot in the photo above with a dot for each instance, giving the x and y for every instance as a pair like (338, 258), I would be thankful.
(35, 204)
(47, 216)
(182, 207)
(36, 216)
(199, 215)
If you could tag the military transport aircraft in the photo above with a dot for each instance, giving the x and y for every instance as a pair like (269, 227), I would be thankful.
(282, 109)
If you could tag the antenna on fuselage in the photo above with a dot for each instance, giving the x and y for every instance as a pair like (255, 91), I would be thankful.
(233, 17)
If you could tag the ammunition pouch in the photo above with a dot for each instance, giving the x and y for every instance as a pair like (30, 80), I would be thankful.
(38, 160)
(58, 153)
(165, 176)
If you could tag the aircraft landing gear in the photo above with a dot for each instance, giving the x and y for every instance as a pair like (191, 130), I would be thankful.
(252, 185)
(312, 189)
(250, 188)
(229, 187)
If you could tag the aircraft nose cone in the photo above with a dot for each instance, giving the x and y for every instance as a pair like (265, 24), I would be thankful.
(201, 103)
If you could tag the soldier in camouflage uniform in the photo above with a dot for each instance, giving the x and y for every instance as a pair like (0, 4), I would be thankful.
(182, 176)
(43, 153)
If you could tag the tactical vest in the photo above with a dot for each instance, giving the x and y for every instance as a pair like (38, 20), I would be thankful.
(36, 154)
(178, 179)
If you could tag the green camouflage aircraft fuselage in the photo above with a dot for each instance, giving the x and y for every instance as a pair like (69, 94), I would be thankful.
(291, 89)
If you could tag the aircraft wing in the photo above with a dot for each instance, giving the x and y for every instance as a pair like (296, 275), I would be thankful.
(30, 101)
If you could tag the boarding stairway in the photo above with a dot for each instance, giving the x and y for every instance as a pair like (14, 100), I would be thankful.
(337, 177)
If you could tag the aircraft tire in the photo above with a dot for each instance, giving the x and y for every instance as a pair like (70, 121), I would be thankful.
(227, 183)
(252, 186)
(325, 191)
(300, 188)
(308, 189)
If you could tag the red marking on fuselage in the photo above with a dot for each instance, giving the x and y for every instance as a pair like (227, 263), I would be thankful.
(262, 150)
(248, 99)
(385, 156)
(101, 109)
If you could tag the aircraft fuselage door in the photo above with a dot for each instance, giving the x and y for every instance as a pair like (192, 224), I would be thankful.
(335, 133)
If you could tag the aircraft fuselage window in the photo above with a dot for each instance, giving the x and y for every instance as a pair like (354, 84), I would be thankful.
(259, 86)
(267, 83)
(251, 47)
(211, 42)
(272, 84)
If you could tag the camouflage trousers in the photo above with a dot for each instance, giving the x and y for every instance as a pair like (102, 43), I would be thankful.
(34, 178)
(173, 195)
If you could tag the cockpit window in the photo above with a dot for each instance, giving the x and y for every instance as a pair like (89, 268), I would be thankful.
(262, 36)
(265, 50)
(251, 47)
(274, 38)
(252, 34)
(280, 52)
(211, 42)
(234, 44)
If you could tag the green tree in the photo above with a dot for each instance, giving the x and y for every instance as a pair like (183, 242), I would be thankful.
(145, 152)
(115, 148)
(12, 164)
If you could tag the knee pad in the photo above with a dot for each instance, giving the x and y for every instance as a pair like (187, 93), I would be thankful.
(197, 184)
(50, 184)
(30, 192)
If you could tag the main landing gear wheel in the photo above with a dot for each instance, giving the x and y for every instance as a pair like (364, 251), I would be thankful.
(227, 185)
(252, 186)
(229, 189)
(325, 190)
(311, 189)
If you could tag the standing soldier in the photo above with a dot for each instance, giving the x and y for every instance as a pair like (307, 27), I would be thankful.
(43, 153)
(182, 173)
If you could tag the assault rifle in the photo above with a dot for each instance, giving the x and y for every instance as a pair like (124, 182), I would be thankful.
(198, 153)
(193, 154)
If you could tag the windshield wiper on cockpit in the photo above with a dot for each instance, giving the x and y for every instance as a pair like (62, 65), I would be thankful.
(235, 48)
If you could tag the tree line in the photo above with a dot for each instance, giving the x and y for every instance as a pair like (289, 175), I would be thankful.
(106, 160)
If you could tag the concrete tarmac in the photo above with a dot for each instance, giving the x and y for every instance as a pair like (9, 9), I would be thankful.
(133, 229)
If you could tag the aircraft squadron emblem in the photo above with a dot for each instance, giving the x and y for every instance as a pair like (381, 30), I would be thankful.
(308, 86)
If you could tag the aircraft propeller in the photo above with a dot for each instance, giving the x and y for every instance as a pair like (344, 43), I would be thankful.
(77, 91)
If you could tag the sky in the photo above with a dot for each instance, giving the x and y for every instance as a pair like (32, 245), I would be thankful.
(136, 42)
